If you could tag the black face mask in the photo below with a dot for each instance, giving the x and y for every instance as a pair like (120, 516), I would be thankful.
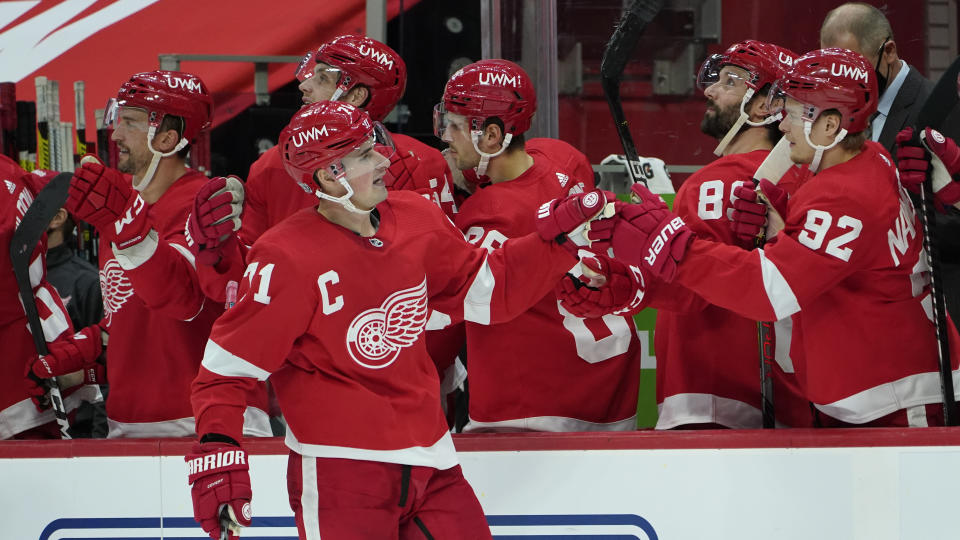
(882, 79)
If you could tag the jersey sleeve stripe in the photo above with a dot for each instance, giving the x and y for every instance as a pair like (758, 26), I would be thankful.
(35, 271)
(778, 291)
(57, 323)
(186, 254)
(220, 361)
(476, 305)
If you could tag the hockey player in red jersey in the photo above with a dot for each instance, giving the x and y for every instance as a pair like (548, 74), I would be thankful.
(713, 380)
(515, 369)
(353, 69)
(19, 418)
(333, 308)
(845, 259)
(158, 318)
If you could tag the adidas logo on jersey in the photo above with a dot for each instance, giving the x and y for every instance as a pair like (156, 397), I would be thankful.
(378, 56)
(843, 70)
(563, 179)
(499, 79)
(314, 134)
(11, 187)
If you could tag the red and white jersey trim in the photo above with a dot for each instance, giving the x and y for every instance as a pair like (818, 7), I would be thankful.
(441, 455)
(695, 408)
(224, 363)
(781, 296)
(476, 304)
(22, 415)
(879, 401)
(550, 423)
(256, 423)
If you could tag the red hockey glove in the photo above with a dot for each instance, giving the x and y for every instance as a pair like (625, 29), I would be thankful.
(645, 234)
(945, 163)
(749, 212)
(104, 198)
(220, 477)
(913, 161)
(558, 218)
(613, 288)
(400, 172)
(65, 355)
(216, 212)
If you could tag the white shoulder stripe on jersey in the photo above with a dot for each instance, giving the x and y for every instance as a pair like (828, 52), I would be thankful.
(139, 253)
(779, 293)
(476, 305)
(222, 362)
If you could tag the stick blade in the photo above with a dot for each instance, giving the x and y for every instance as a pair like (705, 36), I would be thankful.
(776, 164)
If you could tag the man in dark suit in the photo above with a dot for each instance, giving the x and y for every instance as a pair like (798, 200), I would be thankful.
(864, 29)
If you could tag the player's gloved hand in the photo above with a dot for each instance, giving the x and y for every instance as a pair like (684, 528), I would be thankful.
(749, 212)
(104, 198)
(645, 234)
(607, 286)
(219, 474)
(945, 167)
(65, 355)
(561, 220)
(400, 172)
(913, 161)
(215, 216)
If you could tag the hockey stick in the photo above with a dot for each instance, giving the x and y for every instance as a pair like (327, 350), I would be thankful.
(25, 239)
(615, 58)
(773, 167)
(942, 100)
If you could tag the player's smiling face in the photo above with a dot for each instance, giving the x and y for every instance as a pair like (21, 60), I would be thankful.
(130, 134)
(456, 134)
(365, 168)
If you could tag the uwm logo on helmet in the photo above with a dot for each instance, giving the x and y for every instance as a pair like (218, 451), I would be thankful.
(314, 134)
(190, 85)
(499, 79)
(843, 70)
(379, 56)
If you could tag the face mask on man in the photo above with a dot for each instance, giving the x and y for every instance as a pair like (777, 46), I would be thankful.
(882, 79)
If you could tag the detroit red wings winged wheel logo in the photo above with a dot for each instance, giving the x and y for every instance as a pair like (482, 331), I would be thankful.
(116, 288)
(376, 336)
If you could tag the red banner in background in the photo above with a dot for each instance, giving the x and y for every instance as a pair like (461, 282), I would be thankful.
(103, 42)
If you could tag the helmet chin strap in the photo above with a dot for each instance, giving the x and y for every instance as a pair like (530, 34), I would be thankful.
(343, 200)
(481, 169)
(744, 118)
(818, 150)
(155, 160)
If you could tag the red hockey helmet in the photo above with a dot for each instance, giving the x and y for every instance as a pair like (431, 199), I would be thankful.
(168, 92)
(366, 61)
(832, 79)
(764, 62)
(491, 88)
(321, 134)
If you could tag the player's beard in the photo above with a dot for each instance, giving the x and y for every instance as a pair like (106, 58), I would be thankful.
(719, 123)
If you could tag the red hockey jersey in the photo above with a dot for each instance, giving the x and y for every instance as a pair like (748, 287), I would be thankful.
(159, 321)
(708, 368)
(849, 267)
(336, 321)
(546, 370)
(17, 413)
